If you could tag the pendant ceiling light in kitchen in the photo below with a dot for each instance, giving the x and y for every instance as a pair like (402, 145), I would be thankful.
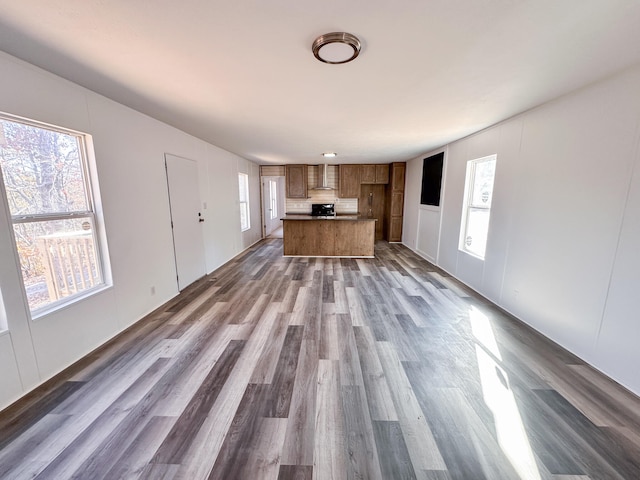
(336, 47)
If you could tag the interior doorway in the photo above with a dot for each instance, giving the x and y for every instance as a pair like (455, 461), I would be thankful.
(186, 219)
(273, 204)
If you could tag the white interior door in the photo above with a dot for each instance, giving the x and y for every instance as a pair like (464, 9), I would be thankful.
(271, 203)
(186, 220)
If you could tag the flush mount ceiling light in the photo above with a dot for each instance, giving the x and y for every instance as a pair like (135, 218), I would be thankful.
(336, 47)
(329, 155)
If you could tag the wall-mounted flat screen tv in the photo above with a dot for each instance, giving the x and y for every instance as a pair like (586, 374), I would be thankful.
(432, 179)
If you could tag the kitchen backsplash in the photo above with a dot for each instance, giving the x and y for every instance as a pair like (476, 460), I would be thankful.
(343, 205)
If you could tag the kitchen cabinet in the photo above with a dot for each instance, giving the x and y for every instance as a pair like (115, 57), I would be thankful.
(349, 183)
(395, 201)
(296, 179)
(311, 237)
(371, 204)
(374, 174)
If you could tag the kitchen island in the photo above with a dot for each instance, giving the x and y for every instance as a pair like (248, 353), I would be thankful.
(338, 236)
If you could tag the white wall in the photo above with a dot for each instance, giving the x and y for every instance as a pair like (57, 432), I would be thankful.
(129, 150)
(422, 234)
(562, 252)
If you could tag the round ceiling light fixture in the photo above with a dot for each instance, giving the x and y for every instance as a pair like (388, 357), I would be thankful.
(336, 47)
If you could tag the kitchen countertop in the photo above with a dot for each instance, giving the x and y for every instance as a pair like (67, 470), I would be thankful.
(297, 216)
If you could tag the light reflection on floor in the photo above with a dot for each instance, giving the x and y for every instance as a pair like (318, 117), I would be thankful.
(512, 436)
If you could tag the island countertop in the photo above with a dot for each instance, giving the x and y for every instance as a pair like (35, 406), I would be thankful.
(338, 236)
(302, 216)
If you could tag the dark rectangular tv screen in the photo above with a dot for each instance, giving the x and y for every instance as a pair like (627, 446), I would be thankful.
(432, 179)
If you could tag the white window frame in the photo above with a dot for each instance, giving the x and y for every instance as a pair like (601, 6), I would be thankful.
(469, 205)
(87, 164)
(243, 193)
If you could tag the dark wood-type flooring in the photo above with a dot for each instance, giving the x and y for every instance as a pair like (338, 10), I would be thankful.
(297, 368)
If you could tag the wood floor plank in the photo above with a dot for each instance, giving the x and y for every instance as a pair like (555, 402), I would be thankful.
(395, 460)
(89, 432)
(312, 368)
(20, 459)
(156, 471)
(417, 434)
(186, 386)
(295, 472)
(266, 366)
(361, 453)
(188, 424)
(381, 405)
(340, 297)
(329, 347)
(263, 455)
(133, 462)
(355, 307)
(280, 390)
(329, 456)
(625, 457)
(201, 456)
(235, 451)
(19, 422)
(350, 371)
(300, 436)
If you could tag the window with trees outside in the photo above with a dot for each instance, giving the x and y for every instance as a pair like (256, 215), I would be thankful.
(47, 189)
(243, 183)
(477, 205)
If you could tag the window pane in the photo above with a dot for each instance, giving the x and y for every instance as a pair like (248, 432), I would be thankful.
(42, 170)
(243, 187)
(57, 258)
(475, 240)
(483, 183)
(243, 184)
(244, 216)
(273, 193)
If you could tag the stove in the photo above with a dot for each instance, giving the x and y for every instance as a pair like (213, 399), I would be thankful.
(323, 210)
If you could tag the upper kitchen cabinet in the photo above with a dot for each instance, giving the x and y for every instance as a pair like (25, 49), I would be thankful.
(349, 186)
(378, 174)
(296, 177)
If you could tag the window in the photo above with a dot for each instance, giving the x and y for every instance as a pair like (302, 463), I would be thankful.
(46, 184)
(273, 199)
(243, 181)
(477, 205)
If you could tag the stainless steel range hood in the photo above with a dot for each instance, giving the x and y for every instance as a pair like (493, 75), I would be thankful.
(323, 178)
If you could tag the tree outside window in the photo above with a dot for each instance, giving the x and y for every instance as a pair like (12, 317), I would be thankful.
(47, 189)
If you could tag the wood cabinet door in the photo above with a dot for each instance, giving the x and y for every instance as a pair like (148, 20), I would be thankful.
(296, 176)
(371, 205)
(378, 174)
(367, 174)
(382, 174)
(349, 181)
(395, 201)
(397, 204)
(395, 229)
(397, 178)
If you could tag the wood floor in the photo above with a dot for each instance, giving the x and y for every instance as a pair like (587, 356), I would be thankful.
(296, 368)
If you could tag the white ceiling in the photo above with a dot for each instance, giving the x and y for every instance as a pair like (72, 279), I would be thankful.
(240, 73)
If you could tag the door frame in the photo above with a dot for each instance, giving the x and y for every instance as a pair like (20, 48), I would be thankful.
(198, 245)
(264, 210)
